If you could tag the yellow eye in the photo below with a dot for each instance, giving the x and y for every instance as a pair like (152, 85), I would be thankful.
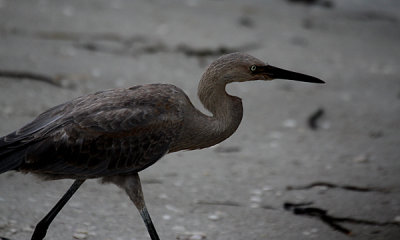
(253, 68)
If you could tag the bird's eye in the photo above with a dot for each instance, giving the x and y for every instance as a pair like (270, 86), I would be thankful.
(253, 68)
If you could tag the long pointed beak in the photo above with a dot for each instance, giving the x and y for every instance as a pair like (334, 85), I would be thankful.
(274, 72)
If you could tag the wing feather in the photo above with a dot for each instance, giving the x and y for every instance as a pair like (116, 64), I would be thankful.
(106, 133)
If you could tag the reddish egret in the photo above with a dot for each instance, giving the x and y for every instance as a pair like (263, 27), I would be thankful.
(115, 134)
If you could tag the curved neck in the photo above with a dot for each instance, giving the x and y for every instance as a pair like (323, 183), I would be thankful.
(216, 100)
(200, 130)
(226, 110)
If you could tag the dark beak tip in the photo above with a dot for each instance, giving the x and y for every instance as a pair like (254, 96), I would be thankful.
(279, 73)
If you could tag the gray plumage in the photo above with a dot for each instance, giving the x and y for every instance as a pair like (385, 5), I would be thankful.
(114, 134)
(107, 133)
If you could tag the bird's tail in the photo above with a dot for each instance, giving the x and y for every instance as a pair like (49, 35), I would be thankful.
(11, 155)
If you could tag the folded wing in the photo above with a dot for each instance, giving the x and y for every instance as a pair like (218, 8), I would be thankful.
(107, 133)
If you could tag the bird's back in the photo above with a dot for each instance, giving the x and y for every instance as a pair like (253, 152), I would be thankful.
(106, 133)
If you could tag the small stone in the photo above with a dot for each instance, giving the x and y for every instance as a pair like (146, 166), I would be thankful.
(191, 236)
(397, 219)
(322, 189)
(213, 217)
(362, 158)
(290, 123)
(80, 233)
(197, 237)
(267, 188)
(216, 215)
(27, 229)
(299, 197)
(255, 199)
(278, 193)
(166, 217)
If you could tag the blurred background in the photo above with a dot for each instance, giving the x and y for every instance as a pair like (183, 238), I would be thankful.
(334, 147)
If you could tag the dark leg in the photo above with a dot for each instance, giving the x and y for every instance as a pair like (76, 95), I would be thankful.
(149, 224)
(43, 225)
(131, 184)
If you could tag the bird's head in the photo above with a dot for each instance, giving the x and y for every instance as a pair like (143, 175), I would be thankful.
(241, 67)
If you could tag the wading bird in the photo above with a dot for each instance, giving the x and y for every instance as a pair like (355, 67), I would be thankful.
(115, 134)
